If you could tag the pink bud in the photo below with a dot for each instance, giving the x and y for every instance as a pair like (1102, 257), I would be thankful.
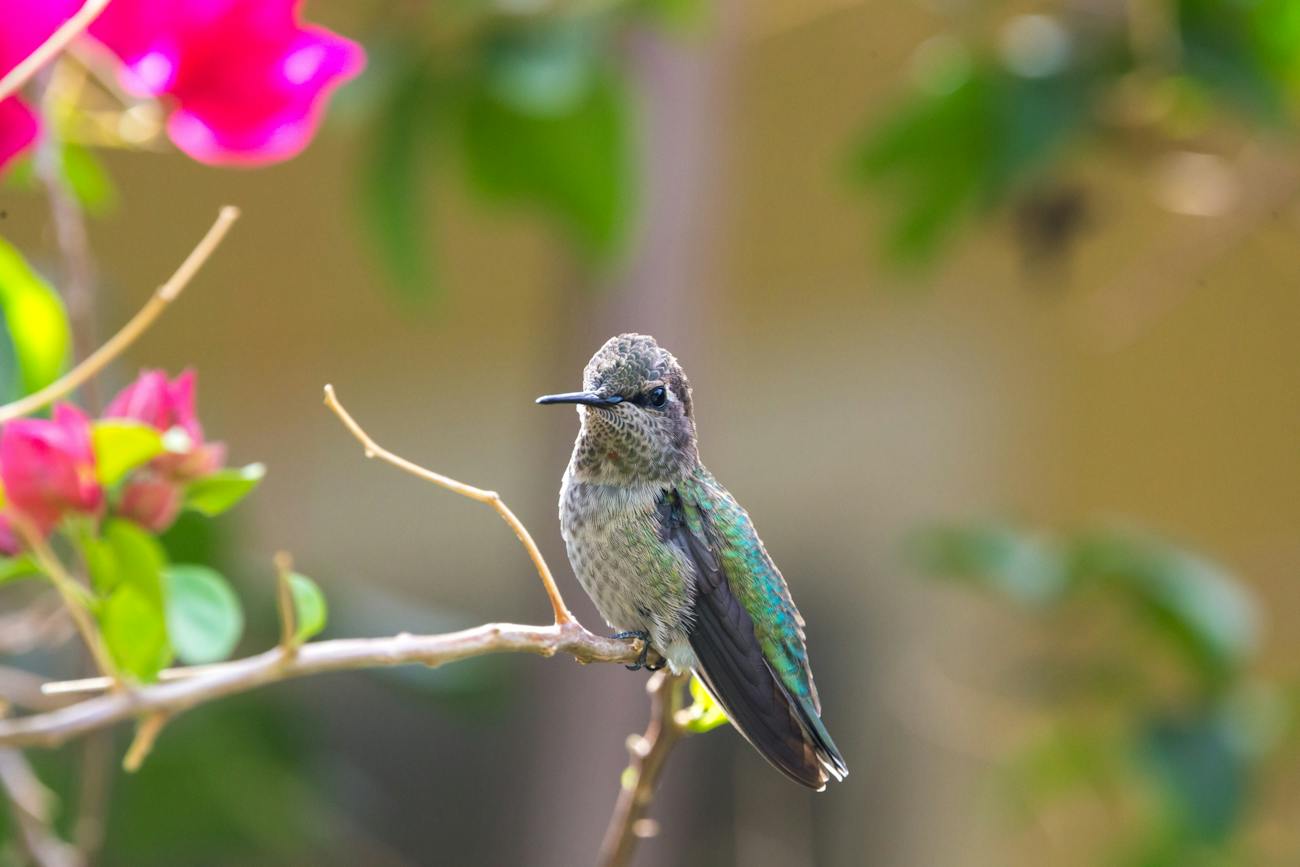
(144, 400)
(152, 502)
(48, 467)
(9, 543)
(202, 461)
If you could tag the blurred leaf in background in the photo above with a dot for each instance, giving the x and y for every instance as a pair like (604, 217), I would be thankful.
(539, 118)
(1192, 747)
(37, 336)
(546, 128)
(991, 120)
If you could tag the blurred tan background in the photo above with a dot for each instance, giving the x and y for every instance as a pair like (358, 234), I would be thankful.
(1153, 376)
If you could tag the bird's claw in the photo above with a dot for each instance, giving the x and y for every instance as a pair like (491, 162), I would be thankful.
(644, 637)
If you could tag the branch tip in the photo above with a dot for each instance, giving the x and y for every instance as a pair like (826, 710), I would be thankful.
(372, 449)
(131, 331)
(146, 734)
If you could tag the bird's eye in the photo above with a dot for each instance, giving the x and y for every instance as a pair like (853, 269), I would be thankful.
(657, 396)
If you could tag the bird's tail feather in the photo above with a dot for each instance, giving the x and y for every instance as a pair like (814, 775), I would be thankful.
(787, 734)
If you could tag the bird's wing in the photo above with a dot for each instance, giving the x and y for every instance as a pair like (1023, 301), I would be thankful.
(747, 635)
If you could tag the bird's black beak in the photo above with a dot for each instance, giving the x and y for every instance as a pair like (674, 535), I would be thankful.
(586, 398)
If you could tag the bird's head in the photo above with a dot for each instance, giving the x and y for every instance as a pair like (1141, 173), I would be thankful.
(635, 407)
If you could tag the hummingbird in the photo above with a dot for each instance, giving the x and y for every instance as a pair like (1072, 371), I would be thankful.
(669, 557)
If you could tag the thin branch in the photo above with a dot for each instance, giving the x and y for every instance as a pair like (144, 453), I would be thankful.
(50, 48)
(24, 689)
(492, 498)
(243, 675)
(138, 324)
(30, 804)
(69, 590)
(649, 752)
(69, 227)
(146, 734)
(44, 622)
(289, 641)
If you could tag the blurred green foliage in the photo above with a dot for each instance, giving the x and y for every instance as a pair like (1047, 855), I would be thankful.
(33, 355)
(535, 114)
(993, 120)
(1188, 732)
(703, 713)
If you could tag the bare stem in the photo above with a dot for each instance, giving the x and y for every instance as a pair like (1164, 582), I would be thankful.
(30, 804)
(649, 752)
(71, 593)
(50, 48)
(69, 231)
(284, 602)
(138, 324)
(146, 734)
(491, 498)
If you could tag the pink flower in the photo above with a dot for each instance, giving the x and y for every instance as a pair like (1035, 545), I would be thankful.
(150, 500)
(249, 81)
(25, 26)
(163, 405)
(48, 467)
(159, 403)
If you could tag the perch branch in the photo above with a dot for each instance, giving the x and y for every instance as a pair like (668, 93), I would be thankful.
(491, 498)
(243, 675)
(50, 48)
(649, 753)
(138, 324)
(181, 689)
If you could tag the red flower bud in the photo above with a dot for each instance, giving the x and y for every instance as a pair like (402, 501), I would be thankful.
(9, 542)
(152, 502)
(164, 405)
(48, 467)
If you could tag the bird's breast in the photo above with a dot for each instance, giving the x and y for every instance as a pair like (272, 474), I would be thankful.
(614, 543)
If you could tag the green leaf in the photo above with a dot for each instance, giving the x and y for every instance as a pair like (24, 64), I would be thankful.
(121, 446)
(394, 185)
(1201, 770)
(688, 17)
(1028, 567)
(134, 627)
(218, 492)
(126, 566)
(36, 321)
(949, 153)
(309, 607)
(89, 182)
(204, 617)
(542, 69)
(704, 714)
(574, 166)
(1062, 761)
(1202, 608)
(14, 568)
(124, 554)
(1220, 48)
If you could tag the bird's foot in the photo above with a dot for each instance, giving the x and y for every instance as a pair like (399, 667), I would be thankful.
(644, 637)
